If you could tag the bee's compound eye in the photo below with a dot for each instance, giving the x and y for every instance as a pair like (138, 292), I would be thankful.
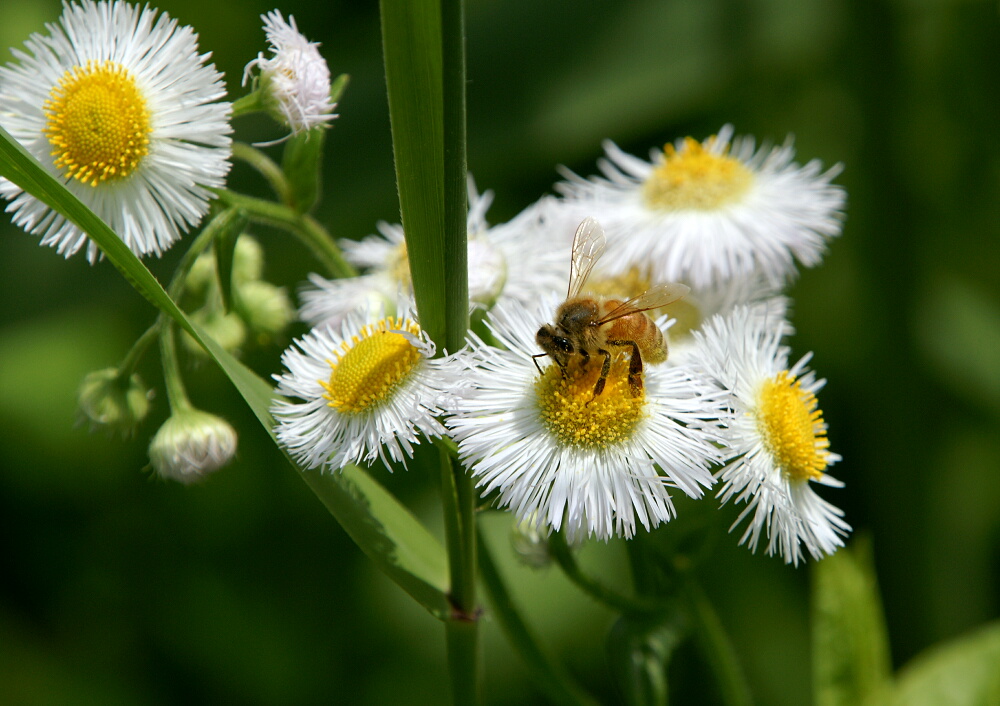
(563, 344)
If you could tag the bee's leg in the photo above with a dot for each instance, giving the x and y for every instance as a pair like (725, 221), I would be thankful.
(534, 359)
(603, 379)
(634, 367)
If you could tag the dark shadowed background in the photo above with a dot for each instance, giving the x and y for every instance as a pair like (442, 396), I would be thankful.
(118, 588)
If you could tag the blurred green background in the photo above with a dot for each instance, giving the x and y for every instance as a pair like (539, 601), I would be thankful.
(118, 588)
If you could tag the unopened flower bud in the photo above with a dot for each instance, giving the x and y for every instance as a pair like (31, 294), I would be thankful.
(530, 545)
(191, 444)
(266, 308)
(228, 330)
(110, 401)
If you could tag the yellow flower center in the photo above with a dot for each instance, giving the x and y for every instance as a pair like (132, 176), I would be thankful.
(370, 367)
(792, 427)
(695, 178)
(98, 123)
(575, 417)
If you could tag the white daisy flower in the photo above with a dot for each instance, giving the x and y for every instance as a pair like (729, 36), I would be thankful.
(562, 456)
(117, 103)
(777, 440)
(705, 212)
(296, 77)
(370, 389)
(511, 261)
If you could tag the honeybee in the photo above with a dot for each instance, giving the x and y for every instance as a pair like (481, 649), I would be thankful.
(590, 325)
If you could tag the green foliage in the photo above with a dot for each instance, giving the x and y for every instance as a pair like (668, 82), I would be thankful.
(385, 529)
(851, 662)
(961, 672)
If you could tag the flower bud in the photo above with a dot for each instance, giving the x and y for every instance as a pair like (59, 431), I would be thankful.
(228, 330)
(530, 546)
(109, 401)
(265, 308)
(191, 444)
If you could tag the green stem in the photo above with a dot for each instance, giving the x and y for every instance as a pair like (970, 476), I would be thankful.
(306, 228)
(175, 290)
(594, 588)
(172, 381)
(266, 167)
(548, 675)
(139, 348)
(461, 630)
(253, 102)
(716, 647)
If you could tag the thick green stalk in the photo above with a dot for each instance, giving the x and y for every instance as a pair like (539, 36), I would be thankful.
(424, 48)
(456, 199)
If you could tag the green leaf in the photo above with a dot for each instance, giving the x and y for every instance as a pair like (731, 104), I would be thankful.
(425, 78)
(385, 530)
(962, 672)
(301, 162)
(851, 661)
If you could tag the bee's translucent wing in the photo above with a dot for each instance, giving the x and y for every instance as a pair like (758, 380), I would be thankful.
(588, 246)
(652, 298)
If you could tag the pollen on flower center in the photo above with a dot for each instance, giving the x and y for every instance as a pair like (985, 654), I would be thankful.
(696, 178)
(793, 428)
(573, 415)
(370, 367)
(98, 123)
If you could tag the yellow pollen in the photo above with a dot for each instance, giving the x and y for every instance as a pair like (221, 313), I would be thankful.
(369, 368)
(793, 429)
(98, 123)
(575, 417)
(695, 178)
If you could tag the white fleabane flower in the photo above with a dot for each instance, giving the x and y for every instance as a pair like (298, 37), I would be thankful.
(777, 439)
(705, 212)
(372, 388)
(296, 78)
(511, 261)
(562, 457)
(118, 104)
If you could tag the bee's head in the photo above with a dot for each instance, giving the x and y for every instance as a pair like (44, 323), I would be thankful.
(552, 343)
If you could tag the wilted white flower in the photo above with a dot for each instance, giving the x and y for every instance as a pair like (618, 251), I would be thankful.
(296, 78)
